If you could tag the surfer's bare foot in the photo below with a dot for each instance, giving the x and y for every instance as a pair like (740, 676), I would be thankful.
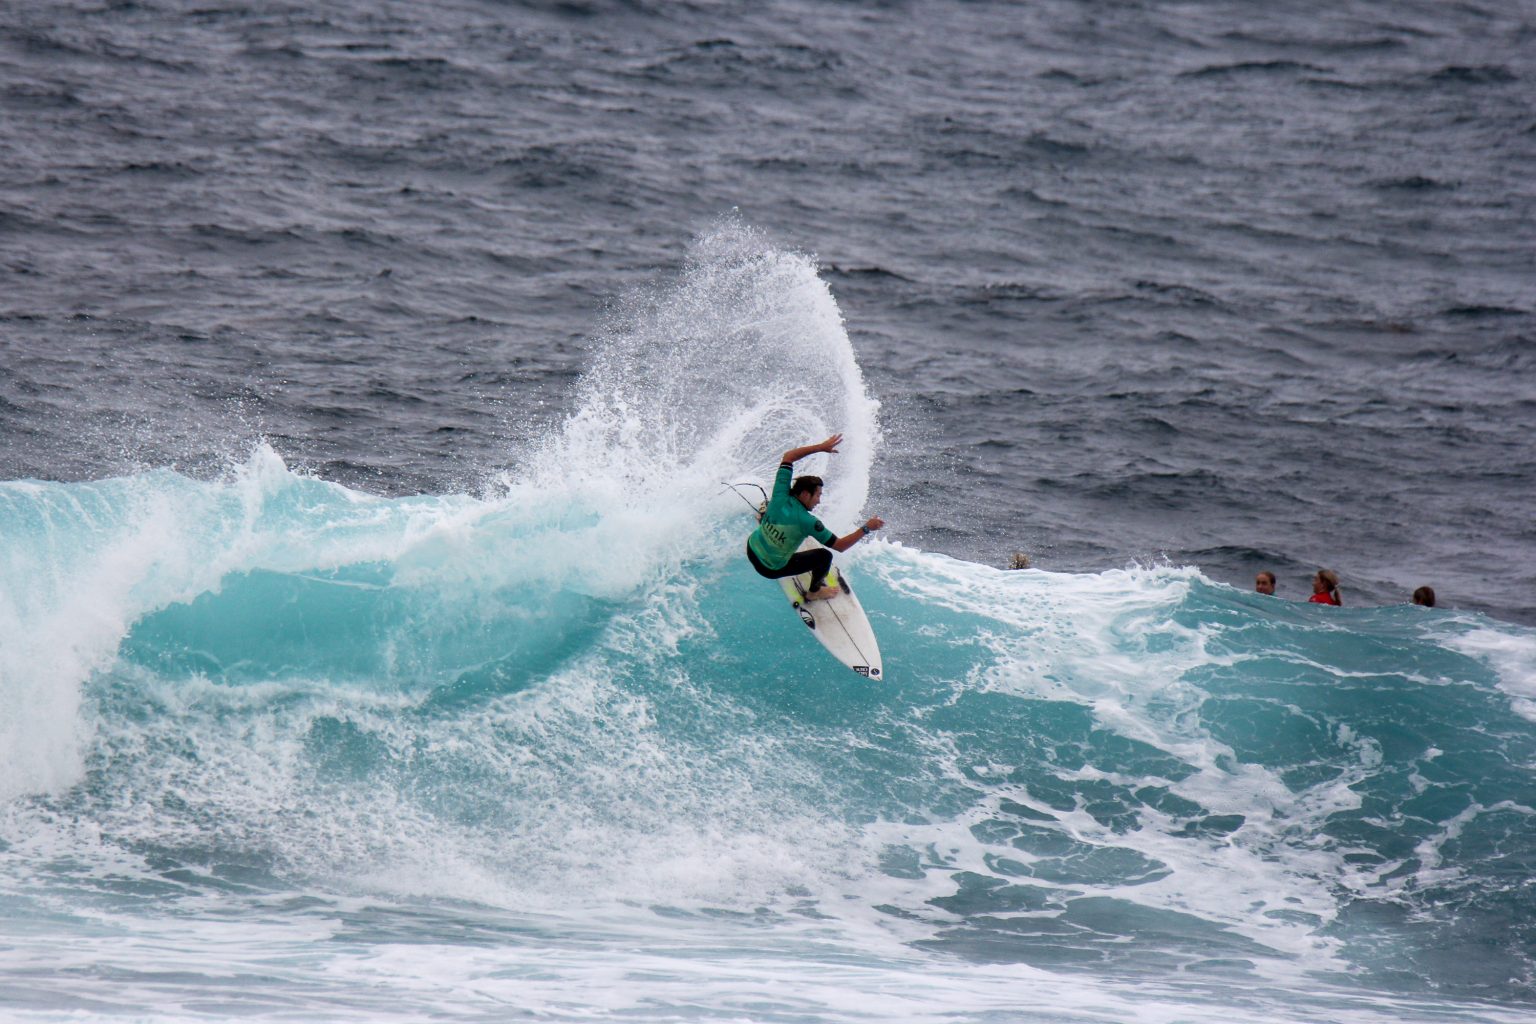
(823, 593)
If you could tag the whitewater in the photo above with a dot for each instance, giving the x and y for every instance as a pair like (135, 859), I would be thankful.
(276, 748)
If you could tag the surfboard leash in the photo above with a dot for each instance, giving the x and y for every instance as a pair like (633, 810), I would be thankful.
(758, 509)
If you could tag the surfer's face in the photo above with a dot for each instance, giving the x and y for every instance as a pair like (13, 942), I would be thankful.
(810, 499)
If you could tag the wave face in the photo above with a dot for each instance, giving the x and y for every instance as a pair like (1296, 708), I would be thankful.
(569, 699)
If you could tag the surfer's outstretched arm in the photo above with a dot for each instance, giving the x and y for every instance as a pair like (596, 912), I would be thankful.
(796, 454)
(844, 543)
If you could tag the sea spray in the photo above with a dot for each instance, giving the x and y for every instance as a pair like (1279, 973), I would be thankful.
(710, 377)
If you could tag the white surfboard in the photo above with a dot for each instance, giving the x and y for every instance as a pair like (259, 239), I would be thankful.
(838, 622)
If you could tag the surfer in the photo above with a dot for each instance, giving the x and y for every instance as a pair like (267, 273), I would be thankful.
(787, 520)
(1325, 588)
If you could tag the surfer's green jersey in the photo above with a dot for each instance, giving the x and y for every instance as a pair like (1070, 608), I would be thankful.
(784, 525)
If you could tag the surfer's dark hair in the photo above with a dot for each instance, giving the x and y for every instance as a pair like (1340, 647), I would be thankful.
(806, 484)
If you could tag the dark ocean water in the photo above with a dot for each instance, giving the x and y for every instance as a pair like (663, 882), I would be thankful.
(332, 335)
(1240, 285)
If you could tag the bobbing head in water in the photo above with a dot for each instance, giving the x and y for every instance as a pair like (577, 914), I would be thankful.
(1325, 587)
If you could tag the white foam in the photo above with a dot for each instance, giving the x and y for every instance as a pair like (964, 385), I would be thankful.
(346, 960)
(1111, 643)
(1512, 657)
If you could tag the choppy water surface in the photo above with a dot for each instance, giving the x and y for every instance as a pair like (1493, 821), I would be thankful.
(374, 640)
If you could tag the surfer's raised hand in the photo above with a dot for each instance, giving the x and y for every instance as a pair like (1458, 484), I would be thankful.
(843, 543)
(796, 454)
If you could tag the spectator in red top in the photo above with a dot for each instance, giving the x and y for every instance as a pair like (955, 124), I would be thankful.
(1325, 588)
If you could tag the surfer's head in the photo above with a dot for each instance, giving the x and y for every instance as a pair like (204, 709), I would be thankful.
(807, 489)
(1327, 582)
